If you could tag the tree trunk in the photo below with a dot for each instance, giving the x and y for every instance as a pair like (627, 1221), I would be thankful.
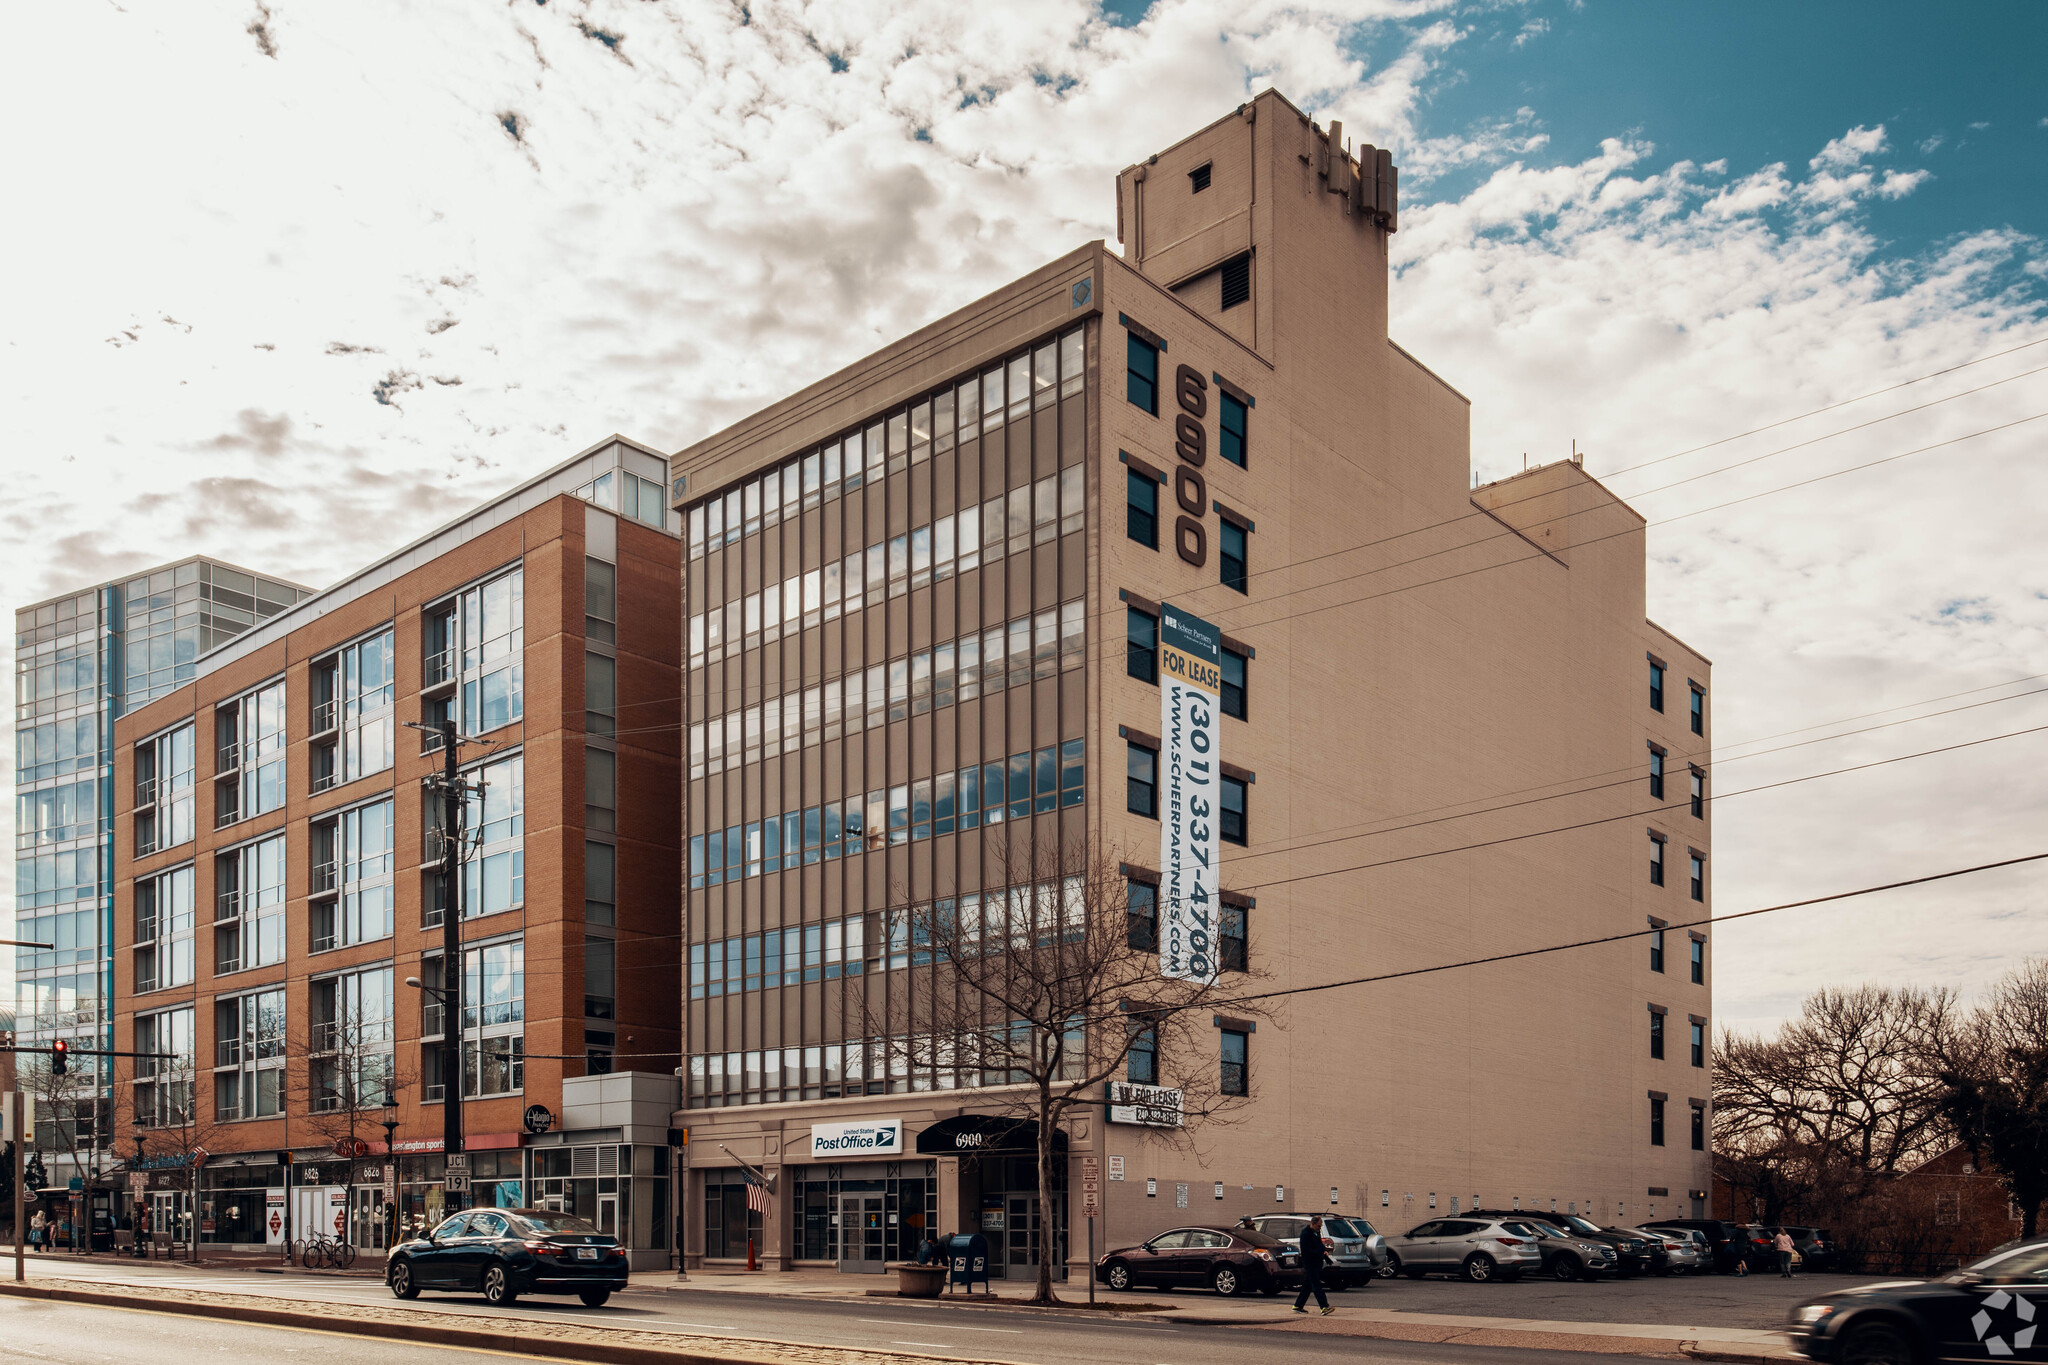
(1046, 1220)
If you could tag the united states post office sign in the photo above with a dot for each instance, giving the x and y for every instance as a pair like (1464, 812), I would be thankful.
(871, 1137)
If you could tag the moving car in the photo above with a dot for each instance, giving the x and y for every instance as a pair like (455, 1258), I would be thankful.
(1983, 1311)
(1480, 1249)
(1227, 1260)
(503, 1253)
(1356, 1251)
(1566, 1255)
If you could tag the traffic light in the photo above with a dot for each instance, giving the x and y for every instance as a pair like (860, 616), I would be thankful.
(60, 1057)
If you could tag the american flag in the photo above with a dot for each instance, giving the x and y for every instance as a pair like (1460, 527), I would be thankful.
(757, 1190)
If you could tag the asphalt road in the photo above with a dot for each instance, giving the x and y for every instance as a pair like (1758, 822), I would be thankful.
(1029, 1338)
(37, 1332)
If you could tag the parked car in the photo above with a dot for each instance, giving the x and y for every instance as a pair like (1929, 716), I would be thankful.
(1356, 1251)
(1982, 1311)
(1567, 1256)
(503, 1253)
(1685, 1250)
(1480, 1249)
(1631, 1249)
(1727, 1241)
(1227, 1260)
(1816, 1250)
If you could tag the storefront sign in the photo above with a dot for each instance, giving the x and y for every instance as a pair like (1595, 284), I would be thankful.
(1152, 1106)
(537, 1119)
(992, 1220)
(875, 1137)
(1190, 792)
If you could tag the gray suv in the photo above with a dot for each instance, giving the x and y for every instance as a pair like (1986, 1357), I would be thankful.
(1478, 1248)
(1357, 1252)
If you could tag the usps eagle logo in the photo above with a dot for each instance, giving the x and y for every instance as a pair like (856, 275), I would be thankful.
(2022, 1312)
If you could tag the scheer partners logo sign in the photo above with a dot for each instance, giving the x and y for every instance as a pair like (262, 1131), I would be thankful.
(874, 1137)
(2012, 1316)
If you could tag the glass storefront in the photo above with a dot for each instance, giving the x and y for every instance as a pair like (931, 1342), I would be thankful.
(856, 1215)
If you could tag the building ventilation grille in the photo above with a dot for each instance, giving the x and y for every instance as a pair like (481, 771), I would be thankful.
(1237, 281)
(1199, 177)
(583, 1160)
(607, 1160)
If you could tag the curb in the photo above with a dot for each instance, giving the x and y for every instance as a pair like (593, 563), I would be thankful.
(466, 1336)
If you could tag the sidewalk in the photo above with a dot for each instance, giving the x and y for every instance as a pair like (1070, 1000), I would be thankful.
(1352, 1319)
(370, 1263)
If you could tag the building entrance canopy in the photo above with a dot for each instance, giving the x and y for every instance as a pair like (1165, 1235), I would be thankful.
(980, 1134)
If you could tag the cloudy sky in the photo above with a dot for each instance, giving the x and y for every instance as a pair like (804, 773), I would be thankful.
(290, 283)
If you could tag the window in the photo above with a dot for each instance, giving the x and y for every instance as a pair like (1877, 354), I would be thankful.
(249, 907)
(601, 881)
(600, 976)
(494, 872)
(358, 851)
(1699, 876)
(1198, 178)
(494, 1018)
(1073, 772)
(163, 797)
(1234, 666)
(1699, 962)
(1141, 1063)
(1141, 516)
(1236, 1077)
(1141, 384)
(253, 746)
(600, 694)
(1141, 780)
(367, 720)
(1141, 644)
(1699, 712)
(1235, 423)
(730, 1226)
(1699, 1044)
(1141, 914)
(249, 1037)
(600, 601)
(163, 1084)
(600, 789)
(1656, 686)
(1233, 954)
(490, 642)
(163, 930)
(1237, 281)
(1656, 860)
(1699, 1128)
(1657, 1034)
(1656, 773)
(1657, 948)
(350, 1056)
(1231, 556)
(1232, 827)
(1699, 794)
(1656, 1121)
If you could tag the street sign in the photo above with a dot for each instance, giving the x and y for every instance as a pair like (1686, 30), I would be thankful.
(138, 1181)
(1091, 1187)
(456, 1180)
(390, 1183)
(1116, 1168)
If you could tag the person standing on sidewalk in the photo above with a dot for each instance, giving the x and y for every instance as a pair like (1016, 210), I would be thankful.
(1313, 1258)
(1784, 1248)
(38, 1229)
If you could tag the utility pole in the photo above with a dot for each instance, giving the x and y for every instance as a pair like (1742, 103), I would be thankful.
(19, 1127)
(452, 810)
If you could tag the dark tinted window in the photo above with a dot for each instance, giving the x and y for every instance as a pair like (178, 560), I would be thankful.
(1141, 518)
(1232, 558)
(1257, 1237)
(1235, 420)
(556, 1222)
(487, 1225)
(451, 1227)
(1141, 385)
(1141, 908)
(1231, 828)
(1460, 1228)
(1209, 1240)
(1233, 684)
(1141, 780)
(1141, 645)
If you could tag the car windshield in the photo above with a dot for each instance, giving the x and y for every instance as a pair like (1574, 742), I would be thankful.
(556, 1222)
(1346, 1227)
(1575, 1223)
(2025, 1262)
(1252, 1237)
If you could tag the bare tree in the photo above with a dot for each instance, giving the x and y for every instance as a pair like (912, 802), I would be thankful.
(344, 1071)
(1044, 990)
(170, 1122)
(1994, 1074)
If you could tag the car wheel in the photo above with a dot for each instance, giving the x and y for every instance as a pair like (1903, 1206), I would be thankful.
(1119, 1276)
(595, 1298)
(1479, 1267)
(1876, 1343)
(1563, 1267)
(498, 1290)
(401, 1281)
(1225, 1281)
(1389, 1268)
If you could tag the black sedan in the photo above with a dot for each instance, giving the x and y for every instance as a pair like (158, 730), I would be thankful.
(503, 1253)
(1991, 1310)
(1227, 1260)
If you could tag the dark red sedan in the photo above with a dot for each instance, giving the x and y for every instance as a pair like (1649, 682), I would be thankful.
(1225, 1260)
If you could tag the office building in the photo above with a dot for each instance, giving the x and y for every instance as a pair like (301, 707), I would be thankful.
(922, 600)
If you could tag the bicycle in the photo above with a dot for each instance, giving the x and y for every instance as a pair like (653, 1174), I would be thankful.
(323, 1250)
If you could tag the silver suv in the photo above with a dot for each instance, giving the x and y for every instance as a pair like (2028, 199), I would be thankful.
(1356, 1251)
(1480, 1249)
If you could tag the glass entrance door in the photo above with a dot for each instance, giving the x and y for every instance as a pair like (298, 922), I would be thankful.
(1021, 1241)
(863, 1234)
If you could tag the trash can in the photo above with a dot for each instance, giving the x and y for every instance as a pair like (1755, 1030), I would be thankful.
(966, 1261)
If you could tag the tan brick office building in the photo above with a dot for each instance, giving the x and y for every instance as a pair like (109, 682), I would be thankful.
(914, 584)
(278, 876)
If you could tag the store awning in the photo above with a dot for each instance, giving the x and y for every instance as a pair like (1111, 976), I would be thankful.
(982, 1134)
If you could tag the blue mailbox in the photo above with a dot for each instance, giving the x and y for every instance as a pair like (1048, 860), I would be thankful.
(966, 1260)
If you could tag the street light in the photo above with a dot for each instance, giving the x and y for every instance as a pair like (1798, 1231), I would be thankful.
(451, 1071)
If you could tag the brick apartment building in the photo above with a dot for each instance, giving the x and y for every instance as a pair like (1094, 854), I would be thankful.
(923, 595)
(279, 875)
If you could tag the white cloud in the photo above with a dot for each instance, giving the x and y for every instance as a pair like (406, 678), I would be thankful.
(1531, 31)
(700, 213)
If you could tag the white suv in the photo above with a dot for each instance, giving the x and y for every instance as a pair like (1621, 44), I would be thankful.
(1480, 1249)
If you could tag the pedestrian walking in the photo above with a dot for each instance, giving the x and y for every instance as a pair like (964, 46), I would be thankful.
(1313, 1258)
(38, 1229)
(1784, 1248)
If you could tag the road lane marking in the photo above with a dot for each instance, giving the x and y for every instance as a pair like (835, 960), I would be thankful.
(942, 1326)
(939, 1345)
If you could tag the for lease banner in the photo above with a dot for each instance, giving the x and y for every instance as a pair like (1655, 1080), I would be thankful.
(1190, 682)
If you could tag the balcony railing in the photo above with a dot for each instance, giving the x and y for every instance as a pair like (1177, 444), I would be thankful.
(228, 1052)
(229, 761)
(326, 876)
(439, 668)
(433, 1020)
(326, 780)
(326, 715)
(230, 816)
(227, 906)
(325, 1037)
(434, 851)
(145, 793)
